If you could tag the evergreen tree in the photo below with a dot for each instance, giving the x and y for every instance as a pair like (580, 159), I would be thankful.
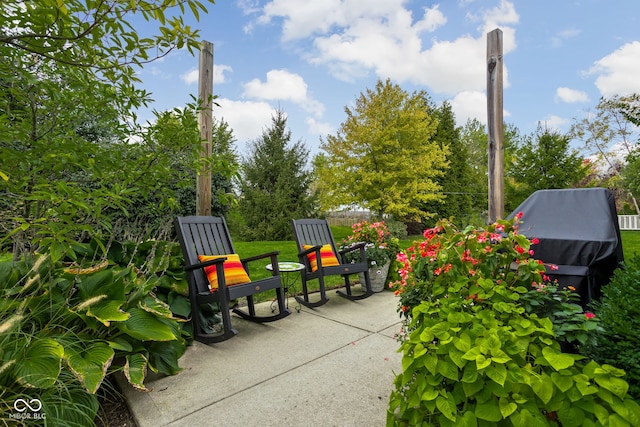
(275, 186)
(456, 181)
(544, 160)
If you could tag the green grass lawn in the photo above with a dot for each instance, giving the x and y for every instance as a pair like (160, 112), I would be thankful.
(630, 243)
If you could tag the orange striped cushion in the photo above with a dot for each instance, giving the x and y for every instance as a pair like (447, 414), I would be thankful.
(326, 255)
(234, 272)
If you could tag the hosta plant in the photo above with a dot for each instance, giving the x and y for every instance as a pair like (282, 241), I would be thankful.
(474, 355)
(65, 327)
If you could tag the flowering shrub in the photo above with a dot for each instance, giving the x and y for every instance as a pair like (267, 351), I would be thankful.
(381, 247)
(479, 342)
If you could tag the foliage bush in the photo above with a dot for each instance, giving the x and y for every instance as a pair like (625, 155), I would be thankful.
(474, 353)
(66, 327)
(617, 342)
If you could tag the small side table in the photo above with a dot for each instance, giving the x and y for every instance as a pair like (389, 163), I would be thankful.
(289, 279)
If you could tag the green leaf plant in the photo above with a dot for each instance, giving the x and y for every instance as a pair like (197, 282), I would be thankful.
(65, 327)
(475, 352)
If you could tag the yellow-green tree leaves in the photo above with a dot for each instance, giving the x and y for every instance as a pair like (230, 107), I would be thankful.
(383, 157)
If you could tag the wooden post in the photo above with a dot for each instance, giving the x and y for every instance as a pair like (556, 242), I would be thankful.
(205, 123)
(495, 125)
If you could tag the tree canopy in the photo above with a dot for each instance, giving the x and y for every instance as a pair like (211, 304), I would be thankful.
(69, 96)
(384, 156)
(275, 184)
(545, 160)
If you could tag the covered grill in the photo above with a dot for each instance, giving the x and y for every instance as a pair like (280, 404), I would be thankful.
(578, 231)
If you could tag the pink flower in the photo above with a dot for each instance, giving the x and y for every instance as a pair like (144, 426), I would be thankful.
(589, 315)
(553, 267)
(535, 241)
(519, 215)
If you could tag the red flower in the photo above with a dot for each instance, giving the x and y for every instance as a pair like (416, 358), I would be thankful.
(589, 315)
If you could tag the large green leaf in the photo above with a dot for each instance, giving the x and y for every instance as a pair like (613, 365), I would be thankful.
(488, 411)
(40, 363)
(543, 387)
(447, 407)
(155, 306)
(135, 369)
(89, 364)
(617, 386)
(164, 356)
(180, 305)
(107, 311)
(557, 359)
(507, 407)
(145, 326)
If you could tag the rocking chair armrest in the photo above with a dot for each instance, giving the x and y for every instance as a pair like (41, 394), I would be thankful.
(308, 251)
(352, 248)
(205, 264)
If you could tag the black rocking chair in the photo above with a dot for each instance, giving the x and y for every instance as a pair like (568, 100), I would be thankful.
(205, 235)
(317, 233)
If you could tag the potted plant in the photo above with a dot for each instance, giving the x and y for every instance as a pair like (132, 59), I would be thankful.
(380, 249)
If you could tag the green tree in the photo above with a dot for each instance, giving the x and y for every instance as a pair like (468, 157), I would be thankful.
(171, 150)
(474, 139)
(473, 136)
(68, 90)
(609, 135)
(275, 184)
(456, 181)
(384, 156)
(545, 160)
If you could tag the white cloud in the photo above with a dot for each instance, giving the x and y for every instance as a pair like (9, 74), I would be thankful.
(618, 72)
(552, 122)
(353, 38)
(192, 76)
(285, 86)
(318, 128)
(565, 94)
(558, 39)
(469, 105)
(247, 119)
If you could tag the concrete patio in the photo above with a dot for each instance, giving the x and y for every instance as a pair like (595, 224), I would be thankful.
(329, 366)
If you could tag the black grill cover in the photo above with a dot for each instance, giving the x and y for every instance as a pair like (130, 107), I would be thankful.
(578, 231)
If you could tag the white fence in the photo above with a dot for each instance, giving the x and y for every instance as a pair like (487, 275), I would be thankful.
(629, 222)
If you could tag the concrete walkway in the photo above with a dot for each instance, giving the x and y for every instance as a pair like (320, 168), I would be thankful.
(329, 366)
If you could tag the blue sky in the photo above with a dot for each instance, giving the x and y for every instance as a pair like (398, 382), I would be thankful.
(312, 58)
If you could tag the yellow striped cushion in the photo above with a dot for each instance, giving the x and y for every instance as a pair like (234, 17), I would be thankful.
(234, 272)
(326, 255)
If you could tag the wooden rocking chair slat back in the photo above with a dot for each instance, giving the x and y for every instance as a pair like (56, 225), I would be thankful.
(313, 232)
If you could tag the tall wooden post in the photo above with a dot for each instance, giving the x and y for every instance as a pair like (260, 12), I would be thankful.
(205, 122)
(495, 125)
